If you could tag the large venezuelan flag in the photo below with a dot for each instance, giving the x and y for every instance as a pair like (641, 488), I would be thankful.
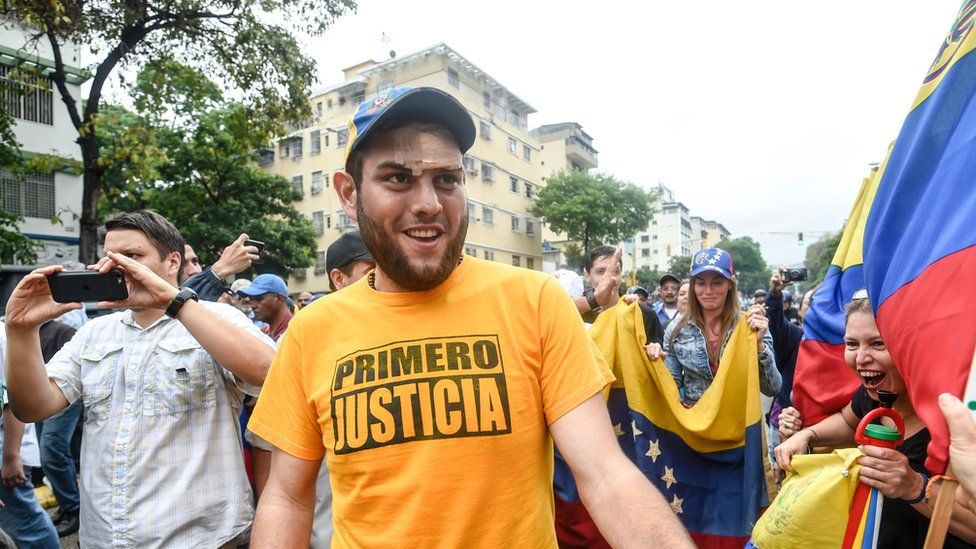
(823, 383)
(708, 460)
(919, 253)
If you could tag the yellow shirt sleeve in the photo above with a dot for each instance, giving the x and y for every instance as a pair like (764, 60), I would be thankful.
(573, 369)
(285, 416)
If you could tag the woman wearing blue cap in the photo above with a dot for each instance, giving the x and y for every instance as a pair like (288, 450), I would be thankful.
(693, 345)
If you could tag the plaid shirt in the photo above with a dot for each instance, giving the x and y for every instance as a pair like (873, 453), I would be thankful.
(161, 462)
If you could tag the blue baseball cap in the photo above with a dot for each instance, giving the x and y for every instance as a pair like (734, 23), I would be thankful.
(265, 284)
(712, 259)
(422, 104)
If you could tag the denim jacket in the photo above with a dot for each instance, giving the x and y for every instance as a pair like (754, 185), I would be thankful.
(688, 362)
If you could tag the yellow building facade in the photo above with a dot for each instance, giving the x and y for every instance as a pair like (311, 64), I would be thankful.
(502, 169)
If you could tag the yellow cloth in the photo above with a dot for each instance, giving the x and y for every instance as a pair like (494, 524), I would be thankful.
(716, 422)
(433, 408)
(812, 507)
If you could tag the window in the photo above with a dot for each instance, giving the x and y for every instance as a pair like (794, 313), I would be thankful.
(654, 237)
(516, 261)
(344, 221)
(529, 227)
(512, 145)
(342, 137)
(514, 117)
(452, 78)
(318, 221)
(516, 224)
(320, 262)
(31, 197)
(298, 184)
(513, 185)
(316, 183)
(471, 251)
(315, 142)
(469, 165)
(485, 130)
(472, 213)
(296, 148)
(488, 215)
(528, 190)
(284, 150)
(487, 172)
(530, 262)
(486, 99)
(358, 98)
(328, 103)
(644, 238)
(318, 110)
(26, 95)
(527, 153)
(645, 252)
(489, 255)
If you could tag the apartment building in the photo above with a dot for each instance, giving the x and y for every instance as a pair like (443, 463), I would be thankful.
(673, 231)
(563, 146)
(503, 168)
(41, 126)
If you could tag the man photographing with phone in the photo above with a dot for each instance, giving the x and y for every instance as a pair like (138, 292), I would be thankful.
(162, 385)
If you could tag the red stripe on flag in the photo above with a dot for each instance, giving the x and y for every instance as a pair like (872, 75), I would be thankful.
(707, 541)
(823, 383)
(929, 327)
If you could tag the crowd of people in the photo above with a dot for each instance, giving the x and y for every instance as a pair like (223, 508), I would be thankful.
(416, 404)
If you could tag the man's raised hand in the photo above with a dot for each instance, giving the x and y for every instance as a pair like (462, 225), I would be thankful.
(146, 288)
(31, 303)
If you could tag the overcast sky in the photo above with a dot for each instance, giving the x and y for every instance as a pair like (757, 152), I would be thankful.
(763, 115)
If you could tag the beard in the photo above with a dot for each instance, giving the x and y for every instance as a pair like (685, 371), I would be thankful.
(395, 264)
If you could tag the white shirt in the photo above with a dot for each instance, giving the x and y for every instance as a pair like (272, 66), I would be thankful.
(161, 457)
(30, 452)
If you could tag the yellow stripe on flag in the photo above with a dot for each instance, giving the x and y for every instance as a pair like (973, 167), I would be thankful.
(960, 41)
(719, 420)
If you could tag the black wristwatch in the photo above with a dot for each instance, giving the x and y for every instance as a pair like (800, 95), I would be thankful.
(590, 295)
(186, 294)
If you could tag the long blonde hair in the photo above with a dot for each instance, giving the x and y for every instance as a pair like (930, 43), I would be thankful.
(730, 312)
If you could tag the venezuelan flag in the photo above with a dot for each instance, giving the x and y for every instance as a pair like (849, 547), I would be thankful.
(919, 253)
(823, 383)
(708, 460)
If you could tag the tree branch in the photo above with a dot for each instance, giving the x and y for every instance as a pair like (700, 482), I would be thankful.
(61, 81)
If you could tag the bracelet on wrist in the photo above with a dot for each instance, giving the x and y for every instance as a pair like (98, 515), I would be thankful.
(921, 495)
(816, 437)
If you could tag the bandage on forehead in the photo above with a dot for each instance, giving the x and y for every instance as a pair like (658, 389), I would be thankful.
(424, 147)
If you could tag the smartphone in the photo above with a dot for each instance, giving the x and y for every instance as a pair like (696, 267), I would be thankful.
(79, 286)
(260, 246)
(795, 275)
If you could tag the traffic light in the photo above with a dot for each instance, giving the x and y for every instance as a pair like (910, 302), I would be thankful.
(801, 239)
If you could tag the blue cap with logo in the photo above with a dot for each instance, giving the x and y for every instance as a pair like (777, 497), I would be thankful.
(265, 284)
(421, 104)
(714, 260)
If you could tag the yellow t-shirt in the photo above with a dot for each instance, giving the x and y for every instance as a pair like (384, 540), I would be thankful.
(432, 408)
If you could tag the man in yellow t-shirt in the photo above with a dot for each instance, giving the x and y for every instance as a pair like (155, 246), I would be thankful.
(435, 386)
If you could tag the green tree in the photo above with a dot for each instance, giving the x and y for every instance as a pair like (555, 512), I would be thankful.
(594, 208)
(680, 266)
(647, 278)
(819, 256)
(242, 45)
(199, 168)
(751, 269)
